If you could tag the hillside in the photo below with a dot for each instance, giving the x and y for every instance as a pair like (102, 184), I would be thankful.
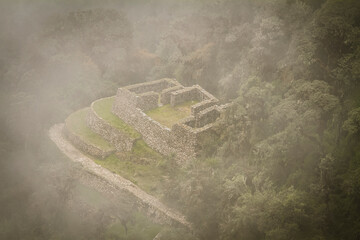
(282, 160)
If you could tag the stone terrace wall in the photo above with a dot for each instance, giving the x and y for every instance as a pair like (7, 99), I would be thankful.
(205, 117)
(201, 126)
(190, 121)
(114, 186)
(195, 109)
(129, 98)
(209, 115)
(183, 139)
(147, 101)
(200, 133)
(191, 93)
(203, 94)
(166, 94)
(183, 95)
(156, 86)
(154, 134)
(78, 142)
(121, 140)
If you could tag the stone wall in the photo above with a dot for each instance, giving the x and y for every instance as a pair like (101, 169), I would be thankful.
(154, 134)
(190, 121)
(147, 101)
(129, 98)
(78, 142)
(122, 141)
(190, 94)
(203, 94)
(195, 109)
(183, 139)
(114, 186)
(184, 95)
(206, 116)
(135, 117)
(156, 86)
(166, 94)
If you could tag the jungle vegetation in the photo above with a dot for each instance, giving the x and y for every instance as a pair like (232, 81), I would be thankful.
(284, 165)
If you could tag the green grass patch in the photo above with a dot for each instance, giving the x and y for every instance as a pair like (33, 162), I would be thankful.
(103, 108)
(143, 166)
(76, 123)
(141, 171)
(168, 115)
(141, 149)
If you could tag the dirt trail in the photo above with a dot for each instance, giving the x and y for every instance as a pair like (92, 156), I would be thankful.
(156, 208)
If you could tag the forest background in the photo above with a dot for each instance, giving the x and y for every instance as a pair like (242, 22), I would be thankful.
(285, 166)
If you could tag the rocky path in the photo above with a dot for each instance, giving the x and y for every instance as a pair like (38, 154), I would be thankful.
(152, 205)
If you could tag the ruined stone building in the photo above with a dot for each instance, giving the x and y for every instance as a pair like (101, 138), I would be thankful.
(181, 140)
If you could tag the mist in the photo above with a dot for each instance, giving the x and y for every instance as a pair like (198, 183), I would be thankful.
(283, 162)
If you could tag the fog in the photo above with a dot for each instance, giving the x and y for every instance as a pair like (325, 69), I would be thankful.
(57, 57)
(281, 166)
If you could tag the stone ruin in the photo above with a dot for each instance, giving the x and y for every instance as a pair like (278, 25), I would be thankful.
(184, 138)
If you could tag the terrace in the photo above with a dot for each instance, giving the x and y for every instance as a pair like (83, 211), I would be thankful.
(169, 115)
(76, 124)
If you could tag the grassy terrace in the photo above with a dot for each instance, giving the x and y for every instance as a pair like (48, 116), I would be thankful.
(103, 109)
(168, 115)
(142, 166)
(76, 123)
(139, 227)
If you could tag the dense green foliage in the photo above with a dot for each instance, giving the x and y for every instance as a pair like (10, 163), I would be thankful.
(285, 163)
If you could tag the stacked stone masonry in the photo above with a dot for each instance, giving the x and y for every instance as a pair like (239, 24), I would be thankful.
(148, 100)
(165, 95)
(182, 140)
(121, 140)
(156, 86)
(78, 142)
